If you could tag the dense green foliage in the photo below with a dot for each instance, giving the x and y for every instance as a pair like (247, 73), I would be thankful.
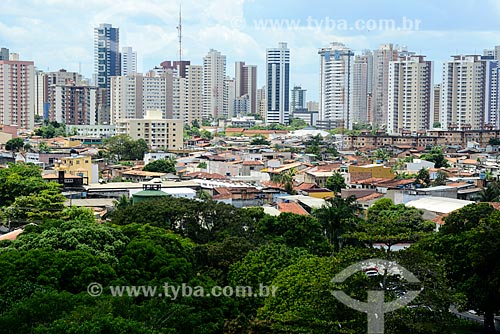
(336, 182)
(122, 147)
(51, 130)
(14, 144)
(161, 166)
(46, 271)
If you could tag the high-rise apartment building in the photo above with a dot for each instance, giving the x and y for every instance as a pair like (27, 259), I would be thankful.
(229, 97)
(214, 74)
(410, 103)
(106, 65)
(128, 61)
(298, 99)
(72, 104)
(63, 77)
(469, 96)
(336, 85)
(278, 84)
(133, 95)
(245, 77)
(261, 102)
(379, 82)
(106, 54)
(437, 104)
(188, 95)
(17, 93)
(361, 85)
(4, 54)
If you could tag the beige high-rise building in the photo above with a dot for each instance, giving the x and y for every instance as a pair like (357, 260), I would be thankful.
(133, 94)
(437, 103)
(261, 102)
(17, 93)
(379, 89)
(469, 97)
(410, 103)
(214, 74)
(188, 95)
(361, 77)
(156, 131)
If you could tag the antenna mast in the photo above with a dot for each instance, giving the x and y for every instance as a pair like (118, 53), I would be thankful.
(179, 30)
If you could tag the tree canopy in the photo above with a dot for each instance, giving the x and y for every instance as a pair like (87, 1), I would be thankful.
(123, 147)
(161, 165)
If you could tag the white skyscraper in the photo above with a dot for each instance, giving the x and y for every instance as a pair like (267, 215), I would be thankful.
(469, 93)
(410, 103)
(129, 61)
(336, 86)
(214, 73)
(278, 84)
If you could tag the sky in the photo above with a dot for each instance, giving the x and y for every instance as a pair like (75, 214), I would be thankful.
(58, 34)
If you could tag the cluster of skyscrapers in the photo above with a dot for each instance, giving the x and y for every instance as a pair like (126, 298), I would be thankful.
(390, 88)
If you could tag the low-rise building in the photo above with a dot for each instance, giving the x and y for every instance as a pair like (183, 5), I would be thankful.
(157, 132)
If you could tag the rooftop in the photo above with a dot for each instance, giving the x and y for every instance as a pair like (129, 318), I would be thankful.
(438, 204)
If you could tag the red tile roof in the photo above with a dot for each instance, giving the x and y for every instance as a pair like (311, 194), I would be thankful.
(292, 207)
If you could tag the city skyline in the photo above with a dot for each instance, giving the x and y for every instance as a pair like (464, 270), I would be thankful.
(231, 27)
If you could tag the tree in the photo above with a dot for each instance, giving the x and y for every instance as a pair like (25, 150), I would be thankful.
(195, 124)
(207, 135)
(295, 231)
(161, 166)
(381, 154)
(202, 165)
(338, 217)
(37, 208)
(490, 193)
(494, 141)
(14, 144)
(336, 182)
(423, 178)
(259, 140)
(297, 124)
(390, 224)
(123, 147)
(286, 179)
(21, 179)
(469, 244)
(51, 130)
(436, 155)
(440, 179)
(43, 147)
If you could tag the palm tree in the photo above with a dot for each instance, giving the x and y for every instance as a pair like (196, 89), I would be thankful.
(338, 217)
(286, 179)
(381, 154)
(490, 193)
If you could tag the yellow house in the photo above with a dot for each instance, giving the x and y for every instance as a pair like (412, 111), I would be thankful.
(77, 165)
(372, 170)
